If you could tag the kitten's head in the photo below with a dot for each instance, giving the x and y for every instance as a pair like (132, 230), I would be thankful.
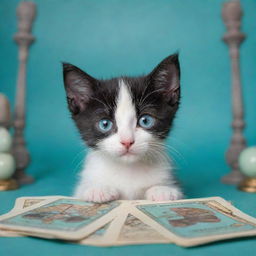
(127, 117)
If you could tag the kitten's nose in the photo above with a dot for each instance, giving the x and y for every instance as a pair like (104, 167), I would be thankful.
(127, 143)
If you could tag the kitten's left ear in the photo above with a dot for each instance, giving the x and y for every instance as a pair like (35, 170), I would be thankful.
(166, 78)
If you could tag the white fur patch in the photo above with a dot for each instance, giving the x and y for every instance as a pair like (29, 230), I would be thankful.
(163, 193)
(126, 121)
(125, 113)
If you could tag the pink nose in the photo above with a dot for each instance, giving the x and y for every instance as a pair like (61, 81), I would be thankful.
(127, 143)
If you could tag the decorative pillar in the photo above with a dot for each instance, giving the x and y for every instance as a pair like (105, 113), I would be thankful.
(232, 15)
(26, 12)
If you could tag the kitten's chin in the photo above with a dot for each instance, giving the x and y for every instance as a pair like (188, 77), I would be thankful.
(126, 158)
(129, 158)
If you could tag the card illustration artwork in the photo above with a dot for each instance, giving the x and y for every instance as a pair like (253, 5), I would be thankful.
(195, 219)
(65, 218)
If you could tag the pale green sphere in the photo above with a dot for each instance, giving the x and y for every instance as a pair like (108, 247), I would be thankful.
(5, 140)
(247, 161)
(7, 166)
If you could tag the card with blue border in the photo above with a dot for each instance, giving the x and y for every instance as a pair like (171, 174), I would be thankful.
(196, 221)
(64, 218)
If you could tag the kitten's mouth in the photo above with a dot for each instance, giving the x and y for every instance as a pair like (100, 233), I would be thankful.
(127, 153)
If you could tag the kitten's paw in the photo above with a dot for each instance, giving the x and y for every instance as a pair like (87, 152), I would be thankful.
(163, 193)
(100, 194)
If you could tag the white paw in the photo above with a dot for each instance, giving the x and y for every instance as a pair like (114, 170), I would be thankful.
(99, 194)
(163, 193)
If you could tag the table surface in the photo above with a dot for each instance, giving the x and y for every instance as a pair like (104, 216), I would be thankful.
(58, 179)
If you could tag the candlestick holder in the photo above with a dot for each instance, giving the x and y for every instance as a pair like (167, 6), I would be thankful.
(248, 185)
(7, 165)
(232, 14)
(26, 12)
(247, 164)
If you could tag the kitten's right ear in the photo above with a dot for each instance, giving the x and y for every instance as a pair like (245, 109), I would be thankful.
(78, 86)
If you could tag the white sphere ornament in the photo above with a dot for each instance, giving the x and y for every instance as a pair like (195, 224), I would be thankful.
(247, 161)
(7, 166)
(5, 140)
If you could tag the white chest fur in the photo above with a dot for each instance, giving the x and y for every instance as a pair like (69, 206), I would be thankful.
(131, 181)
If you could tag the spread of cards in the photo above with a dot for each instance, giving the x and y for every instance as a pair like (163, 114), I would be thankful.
(185, 222)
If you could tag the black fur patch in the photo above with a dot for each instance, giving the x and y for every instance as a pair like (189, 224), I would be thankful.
(91, 100)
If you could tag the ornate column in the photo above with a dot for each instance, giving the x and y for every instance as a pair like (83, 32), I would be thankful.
(232, 15)
(26, 12)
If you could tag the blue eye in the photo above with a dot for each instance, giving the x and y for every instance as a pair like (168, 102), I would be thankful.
(146, 121)
(105, 125)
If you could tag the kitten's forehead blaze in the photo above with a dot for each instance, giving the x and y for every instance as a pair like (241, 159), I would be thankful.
(125, 114)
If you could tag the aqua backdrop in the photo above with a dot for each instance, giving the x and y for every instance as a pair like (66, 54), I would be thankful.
(112, 37)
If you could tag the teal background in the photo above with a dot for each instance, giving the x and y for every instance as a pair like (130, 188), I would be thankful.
(112, 37)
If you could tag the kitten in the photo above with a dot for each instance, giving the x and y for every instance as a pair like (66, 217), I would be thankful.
(124, 122)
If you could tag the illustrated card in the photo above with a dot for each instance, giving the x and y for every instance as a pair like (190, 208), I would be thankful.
(96, 238)
(134, 231)
(22, 202)
(192, 222)
(4, 233)
(126, 229)
(64, 218)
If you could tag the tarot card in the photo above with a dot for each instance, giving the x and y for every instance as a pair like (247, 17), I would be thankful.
(64, 218)
(96, 238)
(134, 231)
(196, 221)
(125, 229)
(5, 233)
(23, 202)
(107, 235)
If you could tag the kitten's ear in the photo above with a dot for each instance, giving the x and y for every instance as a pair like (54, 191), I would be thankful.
(78, 86)
(166, 78)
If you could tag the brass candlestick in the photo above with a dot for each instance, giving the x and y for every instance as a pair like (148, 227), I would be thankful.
(247, 164)
(248, 185)
(26, 12)
(232, 15)
(9, 184)
(5, 121)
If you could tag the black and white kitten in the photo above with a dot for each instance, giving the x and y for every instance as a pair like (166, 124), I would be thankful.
(124, 122)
